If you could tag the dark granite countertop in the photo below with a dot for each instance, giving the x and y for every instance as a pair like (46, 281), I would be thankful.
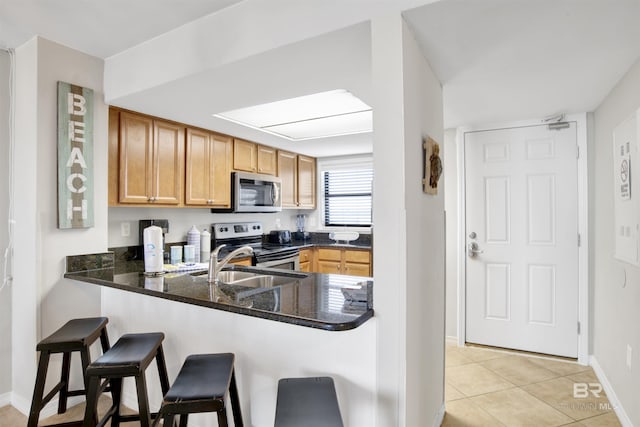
(306, 299)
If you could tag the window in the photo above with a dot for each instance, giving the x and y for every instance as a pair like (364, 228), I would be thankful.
(347, 197)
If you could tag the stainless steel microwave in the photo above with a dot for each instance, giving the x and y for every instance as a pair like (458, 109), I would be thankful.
(256, 193)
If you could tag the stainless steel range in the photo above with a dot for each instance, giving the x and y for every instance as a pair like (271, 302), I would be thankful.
(236, 234)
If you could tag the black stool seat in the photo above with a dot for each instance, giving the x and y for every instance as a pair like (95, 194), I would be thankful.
(129, 357)
(75, 335)
(308, 402)
(201, 386)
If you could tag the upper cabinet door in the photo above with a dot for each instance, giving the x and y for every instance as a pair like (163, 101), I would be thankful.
(208, 169)
(306, 182)
(168, 160)
(288, 172)
(267, 160)
(136, 150)
(197, 180)
(220, 170)
(245, 156)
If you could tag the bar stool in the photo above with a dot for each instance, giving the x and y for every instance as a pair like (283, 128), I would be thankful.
(129, 357)
(76, 335)
(201, 386)
(309, 402)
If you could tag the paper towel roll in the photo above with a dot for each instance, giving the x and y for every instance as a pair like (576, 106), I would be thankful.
(152, 239)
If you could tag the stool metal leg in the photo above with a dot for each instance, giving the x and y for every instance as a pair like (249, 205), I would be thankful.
(41, 377)
(235, 401)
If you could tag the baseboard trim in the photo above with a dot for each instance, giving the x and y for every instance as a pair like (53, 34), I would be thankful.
(5, 399)
(611, 394)
(439, 417)
(451, 340)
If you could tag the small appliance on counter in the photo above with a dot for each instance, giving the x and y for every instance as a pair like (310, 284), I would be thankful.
(279, 237)
(300, 234)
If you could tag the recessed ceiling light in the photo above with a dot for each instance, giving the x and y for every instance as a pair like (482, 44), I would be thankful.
(333, 113)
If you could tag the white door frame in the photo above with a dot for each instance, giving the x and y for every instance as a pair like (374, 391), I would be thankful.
(583, 228)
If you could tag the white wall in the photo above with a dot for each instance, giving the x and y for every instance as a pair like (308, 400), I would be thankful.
(181, 220)
(5, 292)
(616, 301)
(450, 176)
(42, 299)
(408, 232)
(425, 312)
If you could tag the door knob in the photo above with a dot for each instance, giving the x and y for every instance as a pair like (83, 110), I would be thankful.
(472, 250)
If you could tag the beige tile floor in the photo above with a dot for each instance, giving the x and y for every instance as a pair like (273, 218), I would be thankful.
(492, 388)
(483, 388)
(11, 417)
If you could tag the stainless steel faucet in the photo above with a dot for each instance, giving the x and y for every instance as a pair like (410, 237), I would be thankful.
(216, 266)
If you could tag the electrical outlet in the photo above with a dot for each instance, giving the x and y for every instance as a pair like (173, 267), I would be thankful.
(125, 229)
(629, 355)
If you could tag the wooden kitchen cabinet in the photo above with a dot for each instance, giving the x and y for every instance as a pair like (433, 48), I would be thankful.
(306, 260)
(208, 169)
(298, 175)
(151, 161)
(251, 157)
(288, 173)
(246, 261)
(357, 262)
(267, 160)
(306, 182)
(245, 156)
(352, 262)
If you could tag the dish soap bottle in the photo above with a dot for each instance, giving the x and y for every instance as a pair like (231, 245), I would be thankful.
(193, 238)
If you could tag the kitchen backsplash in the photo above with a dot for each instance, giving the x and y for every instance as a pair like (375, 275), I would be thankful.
(181, 220)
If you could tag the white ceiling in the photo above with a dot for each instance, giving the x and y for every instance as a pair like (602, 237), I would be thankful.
(98, 27)
(498, 60)
(501, 60)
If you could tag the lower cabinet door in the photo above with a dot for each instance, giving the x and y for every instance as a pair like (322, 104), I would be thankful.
(329, 267)
(353, 269)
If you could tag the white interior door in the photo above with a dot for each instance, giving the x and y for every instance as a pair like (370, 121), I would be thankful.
(522, 239)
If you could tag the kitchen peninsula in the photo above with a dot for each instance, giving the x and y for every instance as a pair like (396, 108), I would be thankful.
(305, 327)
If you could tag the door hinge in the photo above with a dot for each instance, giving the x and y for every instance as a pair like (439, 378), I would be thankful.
(577, 151)
(579, 240)
(578, 328)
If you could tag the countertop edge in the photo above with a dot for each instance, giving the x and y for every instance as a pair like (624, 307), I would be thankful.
(333, 327)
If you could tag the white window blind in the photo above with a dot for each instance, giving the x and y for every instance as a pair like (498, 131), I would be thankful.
(347, 197)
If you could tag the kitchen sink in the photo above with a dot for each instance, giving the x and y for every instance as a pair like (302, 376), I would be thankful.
(230, 276)
(253, 280)
(266, 278)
